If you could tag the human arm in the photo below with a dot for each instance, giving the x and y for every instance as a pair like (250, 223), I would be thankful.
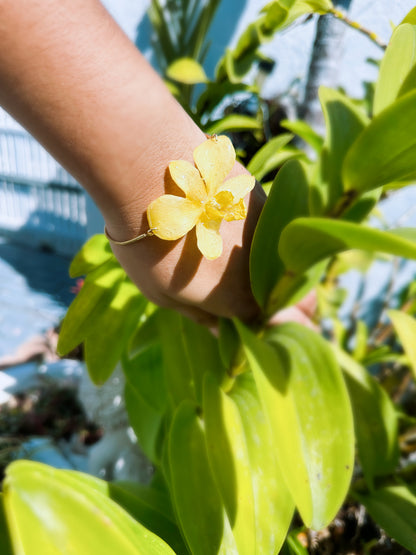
(77, 83)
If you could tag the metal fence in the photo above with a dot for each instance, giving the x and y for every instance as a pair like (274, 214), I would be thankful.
(40, 203)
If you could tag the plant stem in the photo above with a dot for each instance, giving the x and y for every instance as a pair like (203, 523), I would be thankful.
(355, 25)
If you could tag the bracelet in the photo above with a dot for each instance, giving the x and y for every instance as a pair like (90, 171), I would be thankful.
(148, 233)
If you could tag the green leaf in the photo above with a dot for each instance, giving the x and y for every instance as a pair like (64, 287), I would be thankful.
(305, 132)
(89, 306)
(288, 199)
(394, 509)
(233, 122)
(92, 255)
(386, 150)
(273, 504)
(397, 61)
(306, 241)
(148, 504)
(405, 326)
(187, 71)
(50, 511)
(410, 17)
(375, 418)
(5, 542)
(344, 123)
(268, 157)
(227, 453)
(307, 406)
(109, 336)
(197, 502)
(146, 422)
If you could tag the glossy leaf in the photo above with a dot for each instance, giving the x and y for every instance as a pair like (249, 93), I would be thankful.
(264, 161)
(195, 495)
(228, 456)
(306, 241)
(344, 123)
(375, 418)
(89, 306)
(305, 132)
(106, 341)
(386, 150)
(307, 406)
(233, 122)
(50, 511)
(148, 504)
(288, 199)
(187, 71)
(410, 17)
(5, 542)
(405, 326)
(273, 504)
(394, 509)
(397, 62)
(93, 254)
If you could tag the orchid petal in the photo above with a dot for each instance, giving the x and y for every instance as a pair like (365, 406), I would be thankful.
(237, 211)
(214, 159)
(188, 178)
(171, 217)
(208, 238)
(238, 186)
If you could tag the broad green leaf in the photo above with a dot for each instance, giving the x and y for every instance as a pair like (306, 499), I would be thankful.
(410, 17)
(264, 161)
(5, 542)
(394, 509)
(228, 456)
(386, 150)
(397, 61)
(233, 122)
(344, 123)
(93, 254)
(105, 343)
(147, 504)
(375, 418)
(50, 511)
(273, 504)
(187, 71)
(214, 95)
(87, 309)
(305, 132)
(306, 403)
(405, 326)
(288, 199)
(146, 422)
(306, 241)
(145, 373)
(195, 495)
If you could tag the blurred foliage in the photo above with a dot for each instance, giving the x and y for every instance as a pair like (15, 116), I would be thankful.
(259, 435)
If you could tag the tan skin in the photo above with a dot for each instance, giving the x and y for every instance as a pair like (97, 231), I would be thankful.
(71, 77)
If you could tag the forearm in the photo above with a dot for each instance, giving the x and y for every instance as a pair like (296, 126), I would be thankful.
(92, 100)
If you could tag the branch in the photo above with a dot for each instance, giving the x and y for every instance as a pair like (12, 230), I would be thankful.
(354, 25)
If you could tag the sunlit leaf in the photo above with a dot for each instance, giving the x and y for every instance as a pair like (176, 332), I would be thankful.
(50, 511)
(306, 241)
(405, 326)
(397, 61)
(5, 542)
(307, 406)
(233, 122)
(375, 419)
(263, 161)
(344, 123)
(273, 504)
(228, 456)
(187, 71)
(288, 199)
(195, 495)
(386, 150)
(305, 132)
(95, 252)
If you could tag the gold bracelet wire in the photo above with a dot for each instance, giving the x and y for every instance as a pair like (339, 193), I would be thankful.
(148, 233)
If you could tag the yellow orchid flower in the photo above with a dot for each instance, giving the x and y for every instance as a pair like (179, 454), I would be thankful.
(208, 198)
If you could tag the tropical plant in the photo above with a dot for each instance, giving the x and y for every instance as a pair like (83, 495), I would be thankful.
(247, 429)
